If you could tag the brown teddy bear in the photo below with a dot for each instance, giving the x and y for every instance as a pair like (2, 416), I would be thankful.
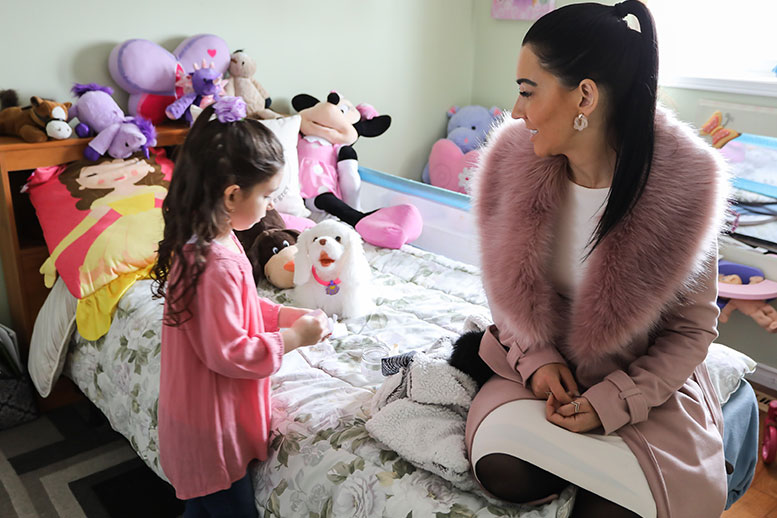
(36, 123)
(270, 247)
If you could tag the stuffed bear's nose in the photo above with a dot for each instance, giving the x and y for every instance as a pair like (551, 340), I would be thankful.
(333, 98)
(322, 241)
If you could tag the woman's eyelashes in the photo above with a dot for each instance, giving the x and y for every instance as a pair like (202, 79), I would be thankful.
(524, 93)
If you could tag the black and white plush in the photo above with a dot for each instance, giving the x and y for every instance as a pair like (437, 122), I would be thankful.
(331, 271)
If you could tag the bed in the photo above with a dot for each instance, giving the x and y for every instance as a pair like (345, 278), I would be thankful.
(323, 462)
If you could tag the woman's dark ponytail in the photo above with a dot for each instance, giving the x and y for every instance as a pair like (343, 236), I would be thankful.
(633, 119)
(593, 41)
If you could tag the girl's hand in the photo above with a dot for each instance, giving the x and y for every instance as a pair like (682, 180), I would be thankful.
(554, 379)
(308, 329)
(576, 416)
(288, 315)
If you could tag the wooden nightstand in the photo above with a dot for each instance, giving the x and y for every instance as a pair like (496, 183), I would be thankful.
(22, 247)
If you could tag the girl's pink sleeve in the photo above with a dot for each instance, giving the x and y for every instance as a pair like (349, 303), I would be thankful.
(270, 312)
(223, 342)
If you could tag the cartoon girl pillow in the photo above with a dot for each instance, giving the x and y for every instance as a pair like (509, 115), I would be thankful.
(110, 239)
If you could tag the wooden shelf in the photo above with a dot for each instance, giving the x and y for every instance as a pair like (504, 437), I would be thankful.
(16, 154)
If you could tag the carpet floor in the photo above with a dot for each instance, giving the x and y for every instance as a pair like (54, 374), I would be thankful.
(69, 463)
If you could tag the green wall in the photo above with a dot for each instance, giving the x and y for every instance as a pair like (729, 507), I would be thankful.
(408, 58)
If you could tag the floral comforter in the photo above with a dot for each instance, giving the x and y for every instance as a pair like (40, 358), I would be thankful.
(322, 462)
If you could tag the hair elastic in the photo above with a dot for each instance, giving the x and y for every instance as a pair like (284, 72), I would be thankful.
(621, 9)
(230, 109)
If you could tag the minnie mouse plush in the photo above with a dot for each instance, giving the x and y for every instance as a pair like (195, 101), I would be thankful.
(328, 168)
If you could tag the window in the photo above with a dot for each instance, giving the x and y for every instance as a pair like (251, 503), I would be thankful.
(720, 45)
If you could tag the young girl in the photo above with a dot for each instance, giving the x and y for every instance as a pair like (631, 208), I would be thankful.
(220, 341)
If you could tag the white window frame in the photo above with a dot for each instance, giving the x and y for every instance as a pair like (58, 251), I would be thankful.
(712, 17)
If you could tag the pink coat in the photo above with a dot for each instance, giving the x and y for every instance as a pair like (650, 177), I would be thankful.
(637, 333)
(214, 395)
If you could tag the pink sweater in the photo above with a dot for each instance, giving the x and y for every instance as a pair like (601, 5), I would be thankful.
(214, 398)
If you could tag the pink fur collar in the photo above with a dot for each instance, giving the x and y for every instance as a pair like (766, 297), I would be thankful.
(641, 267)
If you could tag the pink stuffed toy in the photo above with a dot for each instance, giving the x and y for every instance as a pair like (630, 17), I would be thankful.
(328, 168)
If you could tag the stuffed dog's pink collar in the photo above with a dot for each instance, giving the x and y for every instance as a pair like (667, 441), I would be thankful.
(331, 287)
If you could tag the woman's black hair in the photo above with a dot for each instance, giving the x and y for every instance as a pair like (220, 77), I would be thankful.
(214, 156)
(593, 41)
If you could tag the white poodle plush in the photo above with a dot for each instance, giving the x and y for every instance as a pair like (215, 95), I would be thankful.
(331, 271)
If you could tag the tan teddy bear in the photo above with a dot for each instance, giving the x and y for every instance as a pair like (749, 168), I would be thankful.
(241, 83)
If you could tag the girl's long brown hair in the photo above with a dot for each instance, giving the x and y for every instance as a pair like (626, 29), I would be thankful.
(214, 156)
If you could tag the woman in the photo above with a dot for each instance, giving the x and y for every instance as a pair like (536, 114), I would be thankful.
(604, 211)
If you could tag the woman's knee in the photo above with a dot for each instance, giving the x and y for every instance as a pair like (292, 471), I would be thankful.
(516, 480)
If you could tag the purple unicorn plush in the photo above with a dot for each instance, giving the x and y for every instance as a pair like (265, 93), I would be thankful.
(98, 114)
(204, 89)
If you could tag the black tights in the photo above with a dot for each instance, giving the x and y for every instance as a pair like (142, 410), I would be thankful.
(518, 481)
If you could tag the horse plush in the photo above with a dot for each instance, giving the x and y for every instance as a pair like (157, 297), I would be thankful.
(36, 123)
(98, 114)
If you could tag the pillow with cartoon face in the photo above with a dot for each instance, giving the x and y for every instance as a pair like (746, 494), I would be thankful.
(102, 222)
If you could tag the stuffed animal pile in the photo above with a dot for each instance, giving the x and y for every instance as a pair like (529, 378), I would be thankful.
(453, 159)
(155, 77)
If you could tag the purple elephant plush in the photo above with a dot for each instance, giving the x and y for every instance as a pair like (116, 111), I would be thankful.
(98, 114)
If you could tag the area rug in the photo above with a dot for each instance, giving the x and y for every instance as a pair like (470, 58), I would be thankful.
(69, 463)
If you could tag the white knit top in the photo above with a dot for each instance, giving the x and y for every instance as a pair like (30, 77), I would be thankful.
(580, 213)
